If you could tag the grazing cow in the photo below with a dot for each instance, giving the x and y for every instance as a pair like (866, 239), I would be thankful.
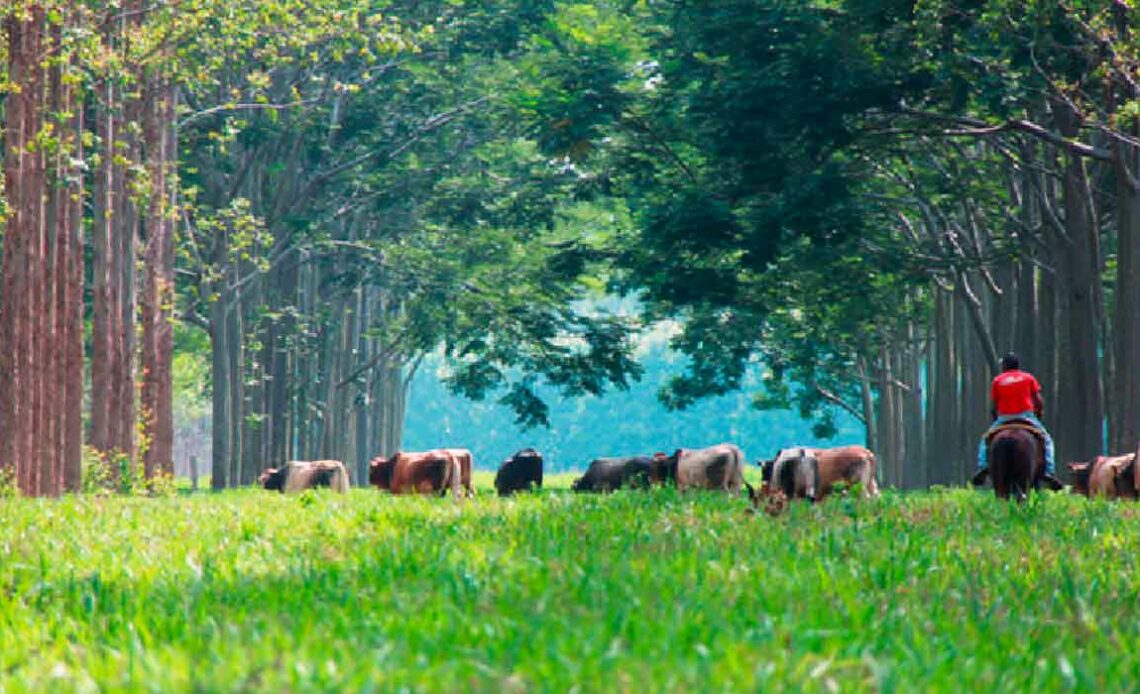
(795, 472)
(812, 473)
(299, 475)
(519, 472)
(1107, 476)
(662, 469)
(718, 467)
(608, 474)
(429, 472)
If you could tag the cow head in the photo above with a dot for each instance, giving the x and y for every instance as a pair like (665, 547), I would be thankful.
(1079, 472)
(772, 500)
(663, 468)
(380, 472)
(273, 479)
(766, 467)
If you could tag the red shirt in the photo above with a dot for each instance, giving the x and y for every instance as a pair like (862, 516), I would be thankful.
(1012, 392)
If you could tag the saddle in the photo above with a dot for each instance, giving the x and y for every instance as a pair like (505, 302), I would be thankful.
(1021, 424)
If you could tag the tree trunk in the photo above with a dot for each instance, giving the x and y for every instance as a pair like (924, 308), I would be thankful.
(14, 293)
(869, 413)
(158, 284)
(1083, 403)
(72, 306)
(101, 304)
(887, 438)
(915, 472)
(1125, 429)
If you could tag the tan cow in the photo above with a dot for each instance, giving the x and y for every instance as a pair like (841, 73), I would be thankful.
(717, 467)
(299, 475)
(812, 473)
(1108, 476)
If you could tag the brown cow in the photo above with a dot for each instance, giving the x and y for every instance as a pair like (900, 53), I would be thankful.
(429, 472)
(1107, 476)
(812, 473)
(299, 475)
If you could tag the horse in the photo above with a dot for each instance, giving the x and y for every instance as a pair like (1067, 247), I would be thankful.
(1016, 465)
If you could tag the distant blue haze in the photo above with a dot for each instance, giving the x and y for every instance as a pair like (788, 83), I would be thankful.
(632, 422)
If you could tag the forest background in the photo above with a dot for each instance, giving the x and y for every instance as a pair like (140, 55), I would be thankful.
(841, 210)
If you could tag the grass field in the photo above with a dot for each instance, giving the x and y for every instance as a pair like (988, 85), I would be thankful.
(642, 592)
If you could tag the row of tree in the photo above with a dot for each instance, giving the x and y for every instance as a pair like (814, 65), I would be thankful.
(84, 149)
(329, 190)
(879, 198)
(873, 198)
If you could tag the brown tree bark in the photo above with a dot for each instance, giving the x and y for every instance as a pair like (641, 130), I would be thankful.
(103, 233)
(26, 376)
(72, 303)
(158, 282)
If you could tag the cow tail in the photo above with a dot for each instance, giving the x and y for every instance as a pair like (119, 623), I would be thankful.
(737, 471)
(870, 476)
(293, 481)
(340, 481)
(813, 490)
(750, 490)
(456, 478)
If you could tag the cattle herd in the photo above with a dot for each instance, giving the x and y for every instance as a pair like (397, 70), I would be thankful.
(794, 473)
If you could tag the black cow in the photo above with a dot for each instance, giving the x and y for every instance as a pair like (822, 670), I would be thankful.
(519, 472)
(608, 474)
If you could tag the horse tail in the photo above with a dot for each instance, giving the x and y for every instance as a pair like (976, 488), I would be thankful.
(1012, 467)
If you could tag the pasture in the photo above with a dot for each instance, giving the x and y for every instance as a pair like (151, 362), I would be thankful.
(250, 590)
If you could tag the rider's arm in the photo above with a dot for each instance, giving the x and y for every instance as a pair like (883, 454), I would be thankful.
(1038, 405)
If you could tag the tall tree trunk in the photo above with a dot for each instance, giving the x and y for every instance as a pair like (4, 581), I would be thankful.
(1125, 429)
(1083, 403)
(887, 435)
(976, 369)
(943, 414)
(101, 303)
(72, 306)
(25, 366)
(158, 283)
(915, 472)
(221, 434)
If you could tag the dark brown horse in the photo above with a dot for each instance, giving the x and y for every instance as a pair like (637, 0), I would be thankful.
(1016, 464)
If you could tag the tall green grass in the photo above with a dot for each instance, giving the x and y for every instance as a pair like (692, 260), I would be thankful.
(633, 591)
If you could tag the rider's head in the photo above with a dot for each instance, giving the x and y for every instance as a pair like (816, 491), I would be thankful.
(1010, 362)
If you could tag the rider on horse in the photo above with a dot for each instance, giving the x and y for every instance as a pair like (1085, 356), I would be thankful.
(1016, 395)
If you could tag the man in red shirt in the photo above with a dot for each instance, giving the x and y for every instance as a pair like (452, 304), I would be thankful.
(1016, 394)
